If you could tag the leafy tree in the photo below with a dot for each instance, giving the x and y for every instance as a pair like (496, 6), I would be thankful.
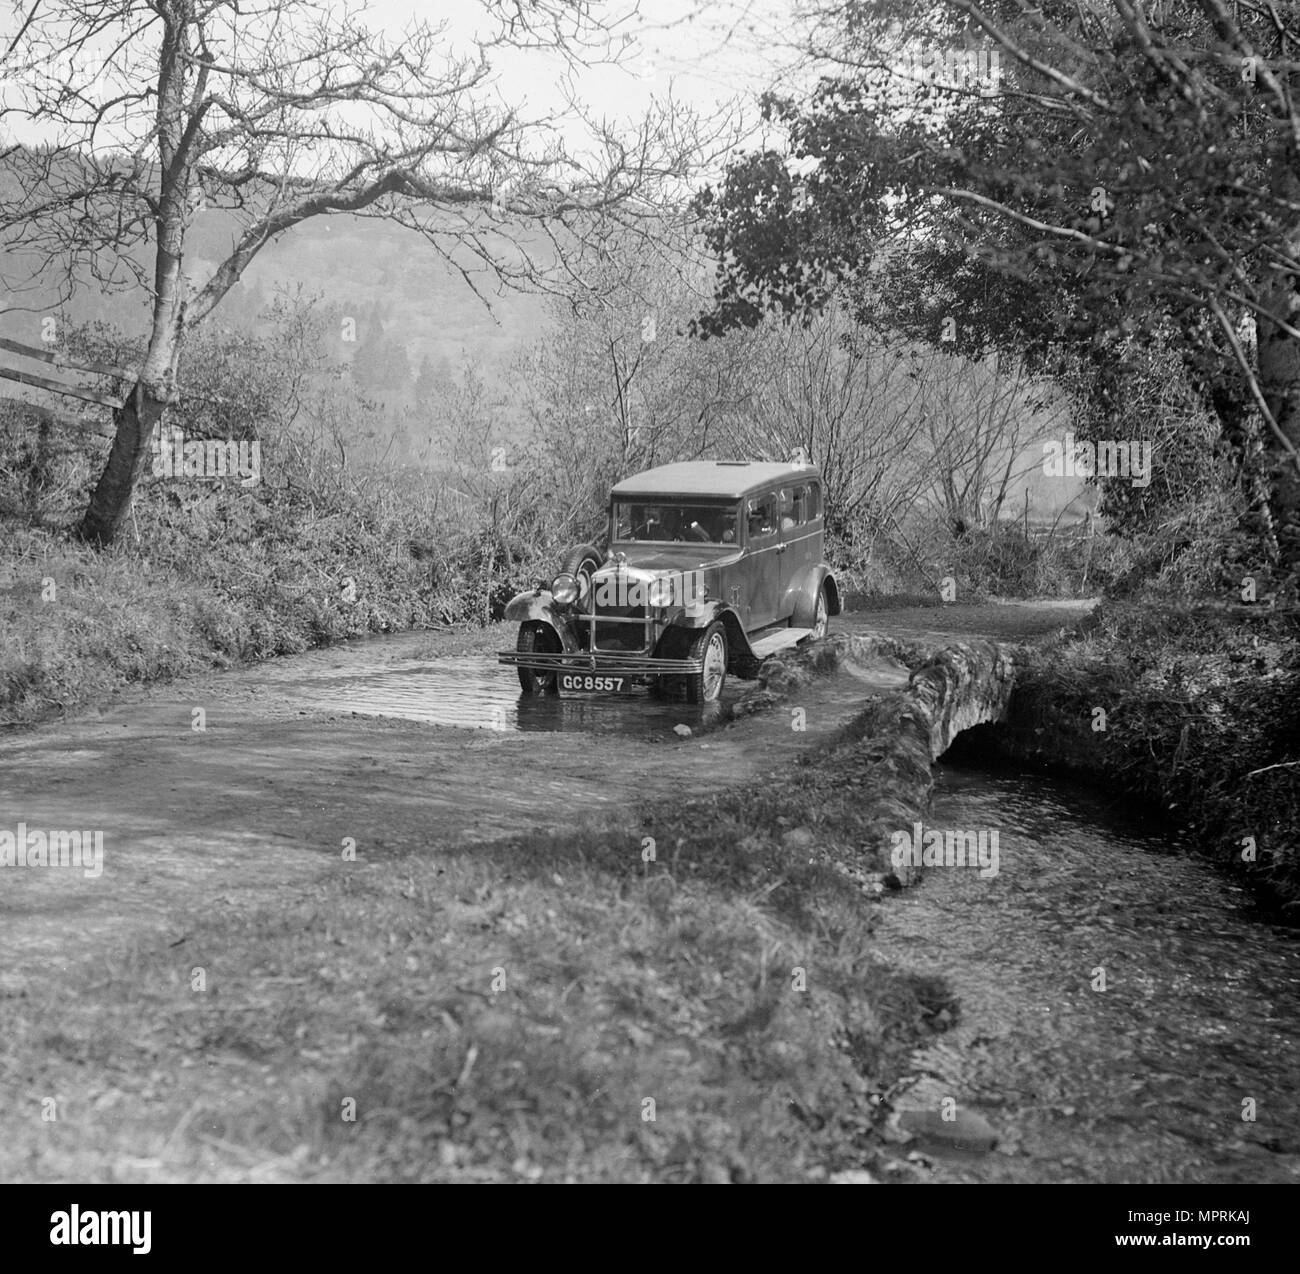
(1065, 179)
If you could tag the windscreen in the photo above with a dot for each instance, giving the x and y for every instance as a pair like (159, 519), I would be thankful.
(651, 522)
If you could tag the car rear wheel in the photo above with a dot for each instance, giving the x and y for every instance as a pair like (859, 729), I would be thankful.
(822, 616)
(537, 638)
(710, 646)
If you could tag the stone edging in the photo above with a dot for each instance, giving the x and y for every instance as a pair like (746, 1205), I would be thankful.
(897, 736)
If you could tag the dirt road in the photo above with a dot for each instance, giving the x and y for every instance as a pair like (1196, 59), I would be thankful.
(225, 789)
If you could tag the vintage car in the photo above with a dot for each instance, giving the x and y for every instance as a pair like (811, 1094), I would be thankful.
(711, 566)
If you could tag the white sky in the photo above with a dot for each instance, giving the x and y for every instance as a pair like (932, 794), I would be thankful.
(708, 53)
(715, 56)
(711, 51)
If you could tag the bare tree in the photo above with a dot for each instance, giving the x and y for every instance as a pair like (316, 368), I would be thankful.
(977, 419)
(618, 385)
(848, 400)
(128, 118)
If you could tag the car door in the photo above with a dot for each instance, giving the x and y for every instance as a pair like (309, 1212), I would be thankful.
(763, 589)
(801, 539)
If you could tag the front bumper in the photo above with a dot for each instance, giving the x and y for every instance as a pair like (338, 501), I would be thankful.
(609, 663)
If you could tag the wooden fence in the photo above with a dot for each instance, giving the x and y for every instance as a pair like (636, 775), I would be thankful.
(64, 364)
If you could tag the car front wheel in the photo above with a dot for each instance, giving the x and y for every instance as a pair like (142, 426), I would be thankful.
(710, 646)
(537, 638)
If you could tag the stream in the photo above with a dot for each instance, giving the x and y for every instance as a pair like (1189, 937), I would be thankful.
(1182, 1069)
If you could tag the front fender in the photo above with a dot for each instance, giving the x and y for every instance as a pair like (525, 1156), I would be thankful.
(705, 614)
(531, 605)
(701, 615)
(541, 606)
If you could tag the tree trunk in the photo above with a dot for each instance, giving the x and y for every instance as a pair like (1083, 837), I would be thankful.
(135, 422)
(142, 412)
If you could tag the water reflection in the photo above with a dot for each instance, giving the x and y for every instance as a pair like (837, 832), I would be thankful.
(474, 692)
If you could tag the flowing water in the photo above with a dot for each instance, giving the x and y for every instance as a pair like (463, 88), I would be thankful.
(470, 691)
(1183, 1068)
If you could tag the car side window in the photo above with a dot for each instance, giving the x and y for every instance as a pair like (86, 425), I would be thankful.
(762, 515)
(795, 506)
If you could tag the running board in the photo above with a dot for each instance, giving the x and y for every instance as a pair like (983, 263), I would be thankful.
(779, 640)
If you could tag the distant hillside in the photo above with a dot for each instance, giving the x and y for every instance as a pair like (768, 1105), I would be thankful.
(365, 267)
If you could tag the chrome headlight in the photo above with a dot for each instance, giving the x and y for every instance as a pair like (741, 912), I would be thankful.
(659, 593)
(565, 590)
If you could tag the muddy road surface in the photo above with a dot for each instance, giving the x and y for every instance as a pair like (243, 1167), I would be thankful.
(224, 789)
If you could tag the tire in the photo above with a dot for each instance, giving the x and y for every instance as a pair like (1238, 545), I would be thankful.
(822, 615)
(710, 646)
(674, 644)
(537, 638)
(582, 559)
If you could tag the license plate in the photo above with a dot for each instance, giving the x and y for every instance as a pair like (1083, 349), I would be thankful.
(592, 683)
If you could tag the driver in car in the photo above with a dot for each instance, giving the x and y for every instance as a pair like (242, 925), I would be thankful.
(652, 525)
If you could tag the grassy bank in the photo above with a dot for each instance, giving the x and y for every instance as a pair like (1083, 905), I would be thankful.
(80, 624)
(505, 1012)
(1194, 708)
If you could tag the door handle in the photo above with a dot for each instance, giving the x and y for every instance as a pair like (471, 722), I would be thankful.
(780, 548)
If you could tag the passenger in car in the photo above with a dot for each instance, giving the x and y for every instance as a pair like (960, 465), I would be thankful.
(720, 527)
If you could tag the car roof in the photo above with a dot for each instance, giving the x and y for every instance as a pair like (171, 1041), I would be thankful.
(726, 478)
